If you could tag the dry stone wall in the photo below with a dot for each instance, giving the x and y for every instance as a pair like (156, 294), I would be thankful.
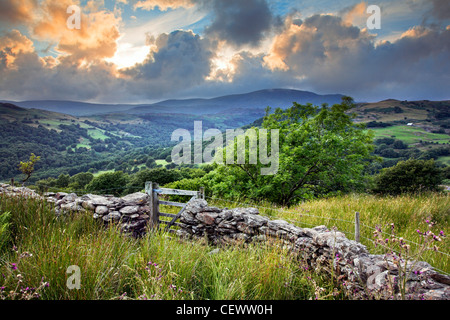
(131, 211)
(362, 273)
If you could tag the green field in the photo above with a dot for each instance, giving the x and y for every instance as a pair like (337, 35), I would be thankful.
(411, 134)
(97, 134)
(83, 145)
(101, 172)
(445, 160)
(161, 162)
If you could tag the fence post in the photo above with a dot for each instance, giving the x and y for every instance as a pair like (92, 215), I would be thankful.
(357, 227)
(202, 193)
(153, 203)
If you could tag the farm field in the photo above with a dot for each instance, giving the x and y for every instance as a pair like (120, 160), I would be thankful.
(411, 134)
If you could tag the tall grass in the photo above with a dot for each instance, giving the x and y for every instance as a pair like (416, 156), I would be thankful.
(42, 246)
(114, 266)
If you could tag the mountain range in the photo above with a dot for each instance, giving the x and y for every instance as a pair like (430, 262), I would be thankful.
(274, 98)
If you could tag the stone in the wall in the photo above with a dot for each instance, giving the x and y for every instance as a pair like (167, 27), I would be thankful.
(101, 210)
(255, 221)
(95, 200)
(71, 206)
(129, 210)
(112, 216)
(207, 218)
(135, 199)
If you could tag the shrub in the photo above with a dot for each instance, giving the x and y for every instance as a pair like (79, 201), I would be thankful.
(109, 182)
(408, 176)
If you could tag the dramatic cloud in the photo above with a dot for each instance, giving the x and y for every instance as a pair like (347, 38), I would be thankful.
(25, 75)
(441, 9)
(356, 14)
(15, 12)
(333, 56)
(240, 22)
(177, 61)
(216, 47)
(95, 40)
(304, 45)
(12, 45)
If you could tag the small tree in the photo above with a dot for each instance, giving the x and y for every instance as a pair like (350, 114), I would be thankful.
(80, 180)
(27, 168)
(408, 176)
(63, 180)
(150, 163)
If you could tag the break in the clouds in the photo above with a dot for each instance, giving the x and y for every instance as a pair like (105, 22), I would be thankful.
(146, 50)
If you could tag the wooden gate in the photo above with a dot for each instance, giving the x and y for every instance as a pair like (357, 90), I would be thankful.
(154, 191)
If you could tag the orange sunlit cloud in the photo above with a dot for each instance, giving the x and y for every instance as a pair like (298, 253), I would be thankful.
(95, 40)
(12, 44)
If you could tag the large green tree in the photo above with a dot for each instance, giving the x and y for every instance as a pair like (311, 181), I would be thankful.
(321, 151)
(409, 176)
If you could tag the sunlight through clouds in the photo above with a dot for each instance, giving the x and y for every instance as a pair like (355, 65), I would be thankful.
(152, 49)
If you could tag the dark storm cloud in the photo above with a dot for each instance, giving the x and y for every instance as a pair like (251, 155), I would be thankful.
(240, 22)
(15, 12)
(178, 61)
(440, 9)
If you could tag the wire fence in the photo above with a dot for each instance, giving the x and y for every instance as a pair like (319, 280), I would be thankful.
(348, 232)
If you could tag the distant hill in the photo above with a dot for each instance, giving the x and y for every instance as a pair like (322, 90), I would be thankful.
(432, 112)
(74, 108)
(12, 112)
(274, 98)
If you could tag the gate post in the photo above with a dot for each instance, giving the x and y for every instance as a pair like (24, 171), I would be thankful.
(153, 203)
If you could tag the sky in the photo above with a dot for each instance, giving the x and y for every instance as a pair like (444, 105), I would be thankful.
(138, 51)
